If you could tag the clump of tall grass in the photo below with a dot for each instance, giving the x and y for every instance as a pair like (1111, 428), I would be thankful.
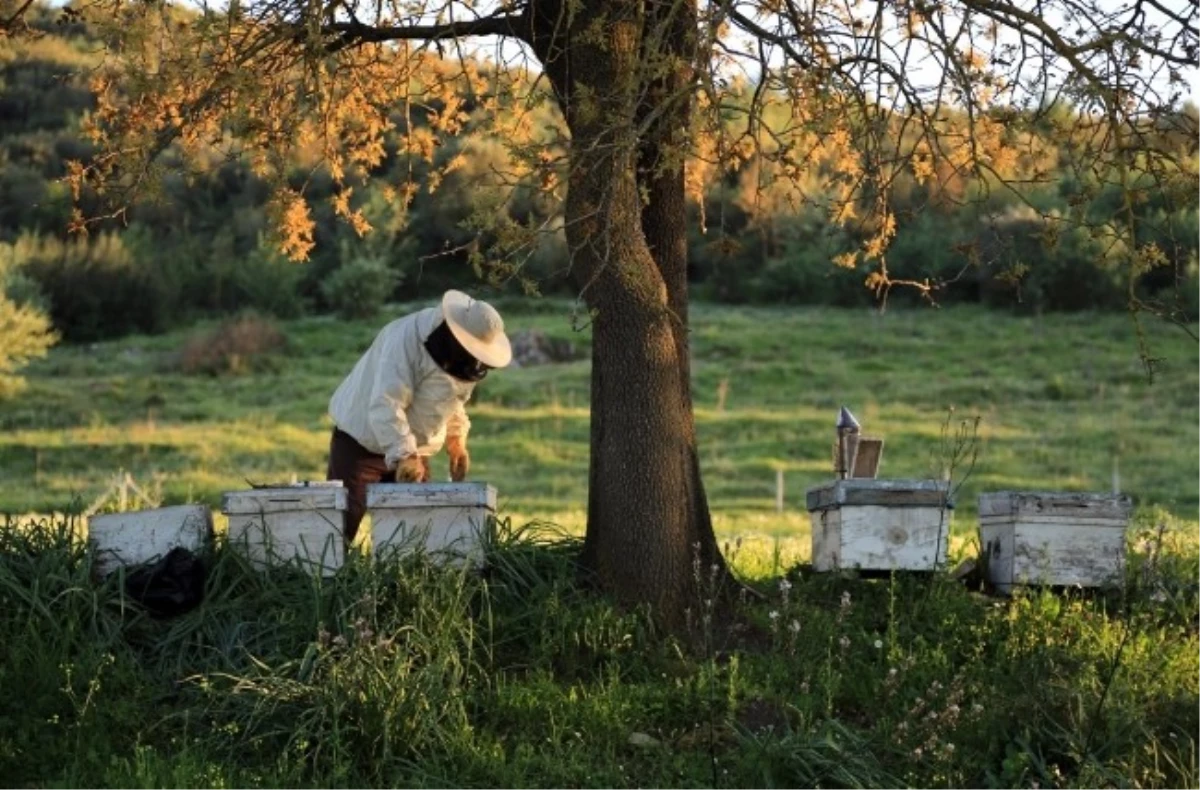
(397, 671)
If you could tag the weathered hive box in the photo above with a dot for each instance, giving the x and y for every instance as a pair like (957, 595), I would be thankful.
(1053, 538)
(278, 525)
(879, 524)
(449, 521)
(141, 536)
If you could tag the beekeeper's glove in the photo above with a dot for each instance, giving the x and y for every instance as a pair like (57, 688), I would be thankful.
(460, 459)
(412, 469)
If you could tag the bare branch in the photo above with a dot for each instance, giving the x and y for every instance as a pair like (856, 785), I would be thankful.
(16, 21)
(350, 33)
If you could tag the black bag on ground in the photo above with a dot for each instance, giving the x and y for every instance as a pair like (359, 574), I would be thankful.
(171, 586)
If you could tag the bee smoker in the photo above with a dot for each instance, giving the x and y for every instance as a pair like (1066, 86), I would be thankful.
(847, 443)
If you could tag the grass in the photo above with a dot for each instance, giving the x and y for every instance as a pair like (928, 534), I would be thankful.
(400, 674)
(1063, 401)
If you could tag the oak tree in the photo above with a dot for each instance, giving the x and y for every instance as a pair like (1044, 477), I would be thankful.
(655, 98)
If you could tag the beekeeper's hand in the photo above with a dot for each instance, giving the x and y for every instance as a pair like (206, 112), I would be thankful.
(460, 460)
(412, 469)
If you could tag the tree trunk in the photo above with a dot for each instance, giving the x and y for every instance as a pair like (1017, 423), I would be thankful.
(664, 114)
(649, 536)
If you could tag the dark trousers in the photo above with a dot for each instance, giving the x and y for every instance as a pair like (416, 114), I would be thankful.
(357, 467)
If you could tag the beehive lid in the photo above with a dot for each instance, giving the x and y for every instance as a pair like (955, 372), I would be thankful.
(405, 495)
(1058, 504)
(862, 491)
(303, 496)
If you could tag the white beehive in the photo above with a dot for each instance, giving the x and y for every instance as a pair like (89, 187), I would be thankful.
(879, 525)
(449, 521)
(141, 536)
(278, 525)
(1053, 538)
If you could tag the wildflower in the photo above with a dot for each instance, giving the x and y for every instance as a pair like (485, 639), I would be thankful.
(878, 644)
(339, 641)
(804, 687)
(794, 626)
(950, 748)
(784, 586)
(917, 752)
(977, 709)
(846, 599)
(774, 615)
(892, 673)
(844, 642)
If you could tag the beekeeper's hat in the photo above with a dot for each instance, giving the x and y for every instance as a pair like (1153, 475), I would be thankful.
(478, 327)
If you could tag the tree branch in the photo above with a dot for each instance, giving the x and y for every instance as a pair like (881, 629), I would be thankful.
(501, 24)
(783, 42)
(9, 25)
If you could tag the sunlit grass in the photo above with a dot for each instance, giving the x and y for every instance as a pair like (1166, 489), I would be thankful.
(1063, 402)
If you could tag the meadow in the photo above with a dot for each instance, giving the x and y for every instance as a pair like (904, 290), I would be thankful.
(1063, 401)
(401, 674)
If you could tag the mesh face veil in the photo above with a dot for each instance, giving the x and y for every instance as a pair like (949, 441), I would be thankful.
(451, 357)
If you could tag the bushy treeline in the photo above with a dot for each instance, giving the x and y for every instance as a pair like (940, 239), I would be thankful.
(203, 245)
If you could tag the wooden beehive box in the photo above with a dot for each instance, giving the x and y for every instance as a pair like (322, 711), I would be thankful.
(140, 536)
(879, 525)
(1053, 538)
(451, 522)
(278, 525)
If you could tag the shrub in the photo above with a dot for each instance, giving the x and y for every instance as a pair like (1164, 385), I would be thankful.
(96, 287)
(238, 345)
(25, 329)
(359, 288)
(266, 281)
(25, 334)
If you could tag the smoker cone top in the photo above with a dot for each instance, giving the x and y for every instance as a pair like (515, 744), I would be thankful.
(846, 421)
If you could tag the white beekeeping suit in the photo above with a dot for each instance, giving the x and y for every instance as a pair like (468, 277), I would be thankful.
(397, 401)
(406, 398)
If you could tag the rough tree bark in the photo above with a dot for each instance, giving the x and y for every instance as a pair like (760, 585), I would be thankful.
(648, 519)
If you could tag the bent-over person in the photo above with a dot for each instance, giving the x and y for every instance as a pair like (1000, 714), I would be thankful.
(404, 400)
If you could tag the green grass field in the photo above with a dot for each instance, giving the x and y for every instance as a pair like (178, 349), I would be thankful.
(400, 674)
(1062, 399)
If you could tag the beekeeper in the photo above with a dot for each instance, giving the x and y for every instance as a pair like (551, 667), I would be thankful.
(405, 398)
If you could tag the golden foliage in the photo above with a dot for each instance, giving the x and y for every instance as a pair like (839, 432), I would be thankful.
(827, 115)
(293, 223)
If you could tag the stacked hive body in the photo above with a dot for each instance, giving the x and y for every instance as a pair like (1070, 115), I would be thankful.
(136, 537)
(451, 522)
(1053, 538)
(879, 524)
(290, 523)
